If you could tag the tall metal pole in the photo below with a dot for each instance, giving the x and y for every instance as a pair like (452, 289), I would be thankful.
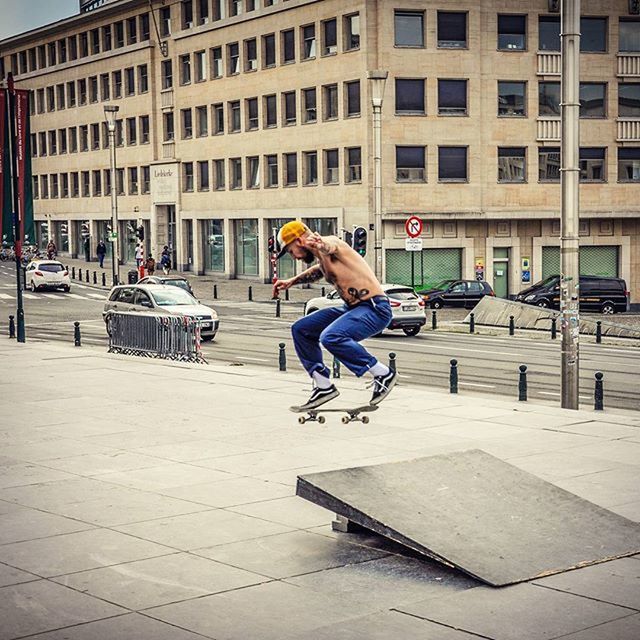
(570, 180)
(110, 113)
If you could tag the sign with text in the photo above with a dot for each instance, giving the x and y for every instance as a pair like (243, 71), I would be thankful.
(413, 244)
(165, 183)
(413, 227)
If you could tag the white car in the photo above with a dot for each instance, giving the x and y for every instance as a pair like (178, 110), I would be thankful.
(407, 307)
(163, 299)
(47, 274)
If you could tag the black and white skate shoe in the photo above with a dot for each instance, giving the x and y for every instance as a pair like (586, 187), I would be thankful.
(318, 397)
(382, 385)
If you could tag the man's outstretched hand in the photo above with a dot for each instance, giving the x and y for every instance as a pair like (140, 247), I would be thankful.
(278, 286)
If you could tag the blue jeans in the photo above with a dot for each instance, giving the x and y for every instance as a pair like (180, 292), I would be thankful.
(339, 330)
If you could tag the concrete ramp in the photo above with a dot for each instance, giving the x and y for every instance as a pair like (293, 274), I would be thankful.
(477, 513)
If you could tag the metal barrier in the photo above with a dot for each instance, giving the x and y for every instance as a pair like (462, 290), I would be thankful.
(155, 336)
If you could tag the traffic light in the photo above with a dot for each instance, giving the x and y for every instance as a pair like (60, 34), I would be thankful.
(347, 236)
(360, 240)
(140, 232)
(272, 244)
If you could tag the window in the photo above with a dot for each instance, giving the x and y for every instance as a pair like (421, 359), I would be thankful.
(549, 99)
(62, 141)
(62, 53)
(235, 169)
(187, 176)
(168, 127)
(71, 94)
(234, 116)
(117, 84)
(549, 164)
(42, 57)
(86, 185)
(512, 32)
(105, 86)
(119, 34)
(592, 167)
(410, 96)
(330, 102)
(65, 184)
(354, 164)
(629, 35)
(73, 140)
(187, 123)
(628, 100)
(512, 164)
(34, 145)
(308, 41)
(106, 174)
(53, 143)
(290, 169)
(95, 136)
(452, 97)
(353, 98)
(219, 175)
(144, 129)
(253, 172)
(186, 14)
(146, 180)
(95, 41)
(93, 89)
(84, 138)
(269, 51)
(233, 56)
(351, 30)
(105, 136)
(203, 175)
(203, 12)
(167, 74)
(409, 28)
(40, 100)
(129, 81)
(60, 96)
(44, 187)
(165, 21)
(329, 37)
(106, 38)
(144, 27)
(452, 30)
(202, 122)
(35, 187)
(235, 7)
(310, 167)
(132, 131)
(271, 174)
(132, 30)
(452, 164)
(217, 114)
(97, 182)
(512, 98)
(51, 99)
(185, 69)
(250, 55)
(271, 111)
(119, 134)
(252, 118)
(310, 113)
(410, 164)
(52, 54)
(216, 62)
(593, 99)
(593, 35)
(331, 166)
(289, 107)
(629, 164)
(143, 79)
(549, 33)
(54, 186)
(200, 64)
(75, 185)
(288, 46)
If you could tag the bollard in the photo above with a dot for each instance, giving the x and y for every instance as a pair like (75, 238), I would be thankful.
(12, 327)
(76, 334)
(215, 291)
(250, 293)
(453, 377)
(598, 332)
(598, 396)
(392, 361)
(522, 383)
(88, 276)
(104, 279)
(95, 278)
(73, 273)
(322, 292)
(336, 367)
(512, 326)
(286, 295)
(472, 323)
(434, 320)
(554, 328)
(282, 357)
(278, 308)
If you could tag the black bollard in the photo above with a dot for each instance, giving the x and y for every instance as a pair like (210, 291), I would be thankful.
(88, 276)
(12, 327)
(104, 279)
(336, 367)
(278, 308)
(76, 334)
(512, 326)
(286, 294)
(598, 332)
(250, 293)
(322, 292)
(73, 273)
(434, 320)
(282, 357)
(554, 328)
(522, 383)
(472, 323)
(598, 396)
(95, 278)
(392, 361)
(215, 291)
(453, 377)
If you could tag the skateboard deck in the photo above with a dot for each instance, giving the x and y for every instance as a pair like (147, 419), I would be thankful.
(352, 414)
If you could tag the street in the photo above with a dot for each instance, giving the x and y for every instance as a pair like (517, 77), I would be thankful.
(250, 334)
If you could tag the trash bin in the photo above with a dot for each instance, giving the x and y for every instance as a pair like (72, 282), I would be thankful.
(132, 277)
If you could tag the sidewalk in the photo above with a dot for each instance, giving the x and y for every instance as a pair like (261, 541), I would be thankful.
(142, 499)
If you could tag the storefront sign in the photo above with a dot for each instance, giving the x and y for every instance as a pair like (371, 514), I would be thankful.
(165, 183)
(526, 270)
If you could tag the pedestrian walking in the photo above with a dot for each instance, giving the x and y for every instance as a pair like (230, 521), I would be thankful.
(165, 260)
(139, 255)
(101, 252)
(51, 250)
(150, 265)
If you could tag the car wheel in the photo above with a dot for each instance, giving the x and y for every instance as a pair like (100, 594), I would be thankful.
(66, 289)
(32, 286)
(436, 304)
(608, 308)
(411, 331)
(543, 303)
(207, 338)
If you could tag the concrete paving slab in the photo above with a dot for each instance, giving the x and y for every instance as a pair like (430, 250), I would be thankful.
(631, 510)
(622, 629)
(96, 464)
(542, 421)
(607, 431)
(252, 464)
(516, 612)
(192, 450)
(11, 575)
(24, 473)
(30, 524)
(621, 451)
(562, 464)
(291, 511)
(607, 488)
(52, 449)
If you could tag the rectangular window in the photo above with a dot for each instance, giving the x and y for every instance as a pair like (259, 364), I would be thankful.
(593, 35)
(51, 99)
(290, 169)
(235, 170)
(167, 74)
(143, 78)
(234, 116)
(289, 99)
(40, 100)
(271, 172)
(144, 129)
(593, 99)
(187, 176)
(168, 127)
(105, 136)
(129, 81)
(512, 32)
(86, 184)
(217, 115)
(592, 167)
(270, 111)
(62, 52)
(253, 121)
(329, 37)
(288, 46)
(185, 69)
(60, 96)
(331, 166)
(84, 138)
(44, 187)
(93, 89)
(203, 12)
(65, 184)
(95, 136)
(219, 175)
(452, 30)
(42, 56)
(310, 112)
(95, 41)
(53, 60)
(351, 30)
(629, 35)
(71, 94)
(119, 133)
(165, 21)
(97, 182)
(452, 164)
(549, 99)
(233, 57)
(549, 33)
(512, 164)
(106, 38)
(200, 64)
(53, 143)
(308, 33)
(146, 180)
(410, 164)
(512, 99)
(253, 172)
(628, 100)
(105, 87)
(62, 141)
(269, 51)
(132, 131)
(353, 98)
(250, 55)
(216, 62)
(203, 175)
(310, 167)
(54, 186)
(202, 122)
(549, 164)
(186, 14)
(73, 140)
(354, 164)
(235, 7)
(144, 27)
(34, 145)
(628, 164)
(132, 30)
(330, 101)
(119, 34)
(35, 187)
(187, 123)
(117, 84)
(106, 174)
(410, 96)
(452, 97)
(75, 185)
(409, 28)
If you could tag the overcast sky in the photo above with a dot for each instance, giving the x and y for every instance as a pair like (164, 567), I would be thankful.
(22, 15)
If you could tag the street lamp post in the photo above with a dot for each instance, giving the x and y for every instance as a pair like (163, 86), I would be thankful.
(377, 81)
(110, 112)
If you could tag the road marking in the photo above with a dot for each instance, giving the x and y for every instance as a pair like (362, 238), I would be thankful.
(75, 296)
(252, 359)
(5, 296)
(477, 384)
(400, 375)
(96, 295)
(449, 348)
(30, 296)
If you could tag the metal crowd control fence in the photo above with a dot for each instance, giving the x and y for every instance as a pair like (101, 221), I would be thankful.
(155, 336)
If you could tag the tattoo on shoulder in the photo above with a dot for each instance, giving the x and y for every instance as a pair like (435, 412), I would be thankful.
(312, 276)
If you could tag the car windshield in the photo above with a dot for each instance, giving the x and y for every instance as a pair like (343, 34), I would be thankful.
(52, 267)
(546, 282)
(172, 296)
(401, 294)
(182, 284)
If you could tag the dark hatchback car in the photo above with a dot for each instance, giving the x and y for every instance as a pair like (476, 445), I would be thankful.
(173, 281)
(597, 293)
(456, 293)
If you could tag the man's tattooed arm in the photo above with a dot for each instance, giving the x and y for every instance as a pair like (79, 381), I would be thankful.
(310, 275)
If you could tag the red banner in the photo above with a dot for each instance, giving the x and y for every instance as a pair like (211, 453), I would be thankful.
(5, 213)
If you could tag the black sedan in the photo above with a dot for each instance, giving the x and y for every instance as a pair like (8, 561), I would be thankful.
(456, 293)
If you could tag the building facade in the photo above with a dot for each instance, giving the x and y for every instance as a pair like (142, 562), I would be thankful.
(237, 115)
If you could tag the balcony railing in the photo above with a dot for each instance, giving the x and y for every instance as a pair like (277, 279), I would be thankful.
(166, 98)
(168, 150)
(549, 63)
(628, 130)
(628, 65)
(549, 129)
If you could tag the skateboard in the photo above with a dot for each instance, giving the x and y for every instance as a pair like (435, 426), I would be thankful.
(352, 414)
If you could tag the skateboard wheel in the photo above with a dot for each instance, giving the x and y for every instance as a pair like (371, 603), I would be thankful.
(321, 419)
(302, 419)
(345, 420)
(365, 419)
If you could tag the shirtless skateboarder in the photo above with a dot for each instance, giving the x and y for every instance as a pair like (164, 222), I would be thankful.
(366, 312)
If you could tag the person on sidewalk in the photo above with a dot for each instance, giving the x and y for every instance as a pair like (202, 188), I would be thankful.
(366, 312)
(101, 252)
(150, 265)
(139, 255)
(51, 250)
(165, 260)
